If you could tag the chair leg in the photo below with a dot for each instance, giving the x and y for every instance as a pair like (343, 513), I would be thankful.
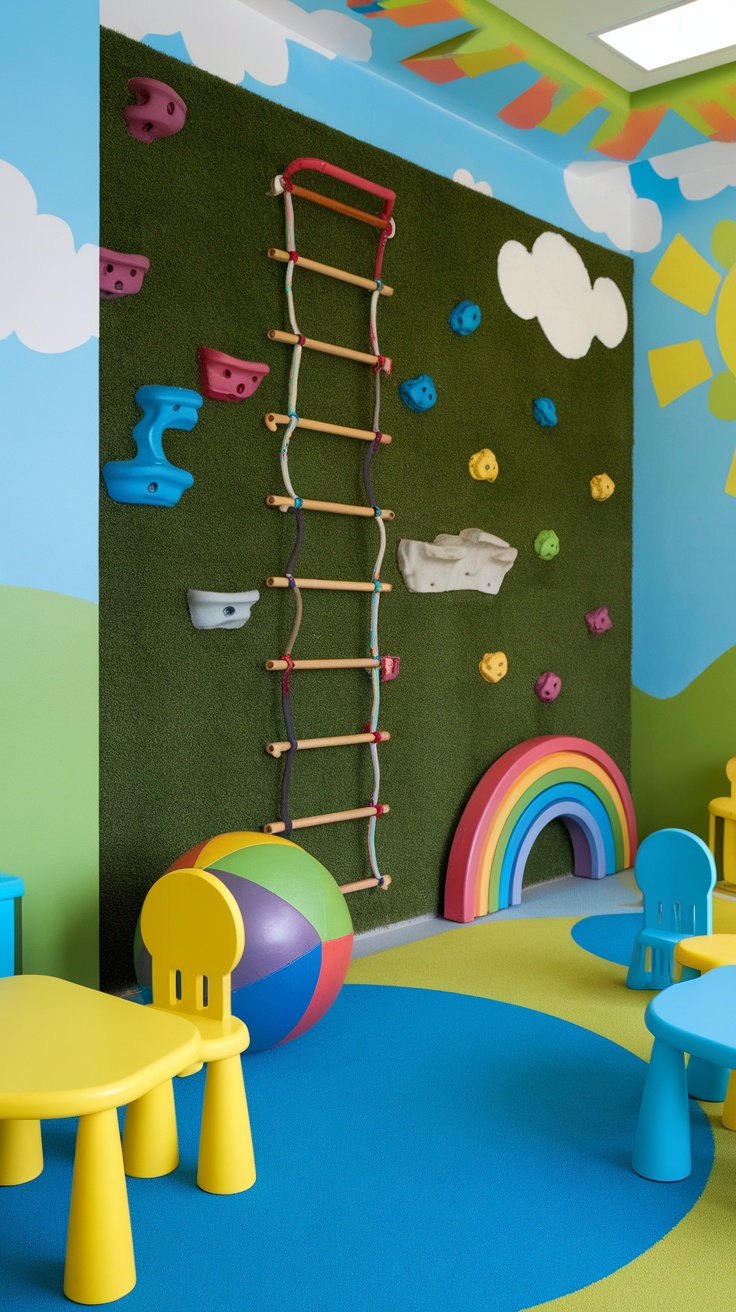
(688, 972)
(150, 1144)
(705, 1081)
(638, 977)
(226, 1163)
(729, 1108)
(100, 1266)
(663, 968)
(662, 1141)
(21, 1151)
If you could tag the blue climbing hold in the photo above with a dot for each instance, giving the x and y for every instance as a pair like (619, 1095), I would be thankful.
(544, 412)
(418, 393)
(149, 479)
(465, 318)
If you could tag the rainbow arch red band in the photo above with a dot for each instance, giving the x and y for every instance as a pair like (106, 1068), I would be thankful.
(501, 805)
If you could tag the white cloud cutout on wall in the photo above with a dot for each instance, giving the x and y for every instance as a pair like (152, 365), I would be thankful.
(466, 179)
(602, 196)
(231, 38)
(552, 284)
(49, 290)
(702, 171)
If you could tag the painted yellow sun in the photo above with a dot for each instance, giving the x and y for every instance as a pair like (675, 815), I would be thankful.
(685, 276)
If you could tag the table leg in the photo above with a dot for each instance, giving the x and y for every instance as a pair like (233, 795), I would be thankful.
(226, 1163)
(150, 1145)
(100, 1266)
(21, 1151)
(662, 1141)
(729, 1107)
(706, 1081)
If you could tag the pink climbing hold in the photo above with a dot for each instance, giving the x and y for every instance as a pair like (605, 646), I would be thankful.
(121, 275)
(226, 379)
(389, 668)
(548, 686)
(158, 110)
(598, 621)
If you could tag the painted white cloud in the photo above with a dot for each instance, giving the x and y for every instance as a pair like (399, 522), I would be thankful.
(466, 179)
(550, 283)
(602, 195)
(702, 171)
(231, 38)
(49, 290)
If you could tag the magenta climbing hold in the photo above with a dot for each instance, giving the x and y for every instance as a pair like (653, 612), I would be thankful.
(149, 479)
(548, 686)
(389, 668)
(158, 110)
(598, 621)
(121, 275)
(223, 378)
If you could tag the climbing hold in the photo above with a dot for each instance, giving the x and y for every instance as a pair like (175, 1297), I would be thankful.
(602, 487)
(548, 686)
(494, 666)
(547, 544)
(223, 378)
(220, 610)
(158, 111)
(149, 479)
(472, 560)
(121, 275)
(465, 318)
(389, 668)
(545, 412)
(483, 465)
(598, 621)
(418, 393)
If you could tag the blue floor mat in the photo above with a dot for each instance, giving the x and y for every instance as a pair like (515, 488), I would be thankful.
(417, 1151)
(610, 937)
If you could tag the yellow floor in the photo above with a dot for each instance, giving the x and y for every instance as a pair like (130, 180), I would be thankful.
(535, 963)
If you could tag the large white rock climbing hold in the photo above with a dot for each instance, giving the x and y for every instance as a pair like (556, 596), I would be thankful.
(471, 560)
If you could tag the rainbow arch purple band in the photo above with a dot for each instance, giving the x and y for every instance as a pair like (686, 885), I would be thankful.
(600, 819)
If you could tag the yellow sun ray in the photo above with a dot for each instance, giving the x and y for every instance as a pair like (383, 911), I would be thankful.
(677, 369)
(685, 276)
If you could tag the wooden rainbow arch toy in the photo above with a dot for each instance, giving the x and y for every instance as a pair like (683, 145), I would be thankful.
(546, 778)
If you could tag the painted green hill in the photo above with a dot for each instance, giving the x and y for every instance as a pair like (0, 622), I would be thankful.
(680, 746)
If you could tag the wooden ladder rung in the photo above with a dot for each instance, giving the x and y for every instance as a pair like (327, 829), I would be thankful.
(316, 426)
(329, 585)
(329, 271)
(333, 507)
(342, 663)
(365, 883)
(340, 207)
(346, 740)
(307, 821)
(328, 348)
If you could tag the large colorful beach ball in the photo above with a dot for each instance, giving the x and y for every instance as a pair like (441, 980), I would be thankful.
(298, 933)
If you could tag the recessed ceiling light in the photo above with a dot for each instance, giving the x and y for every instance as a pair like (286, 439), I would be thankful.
(684, 31)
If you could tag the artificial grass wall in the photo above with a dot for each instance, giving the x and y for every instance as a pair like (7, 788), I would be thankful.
(185, 713)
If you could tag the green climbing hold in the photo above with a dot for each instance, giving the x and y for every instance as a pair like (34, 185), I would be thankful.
(547, 544)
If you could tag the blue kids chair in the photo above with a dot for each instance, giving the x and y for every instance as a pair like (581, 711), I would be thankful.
(676, 874)
(698, 1017)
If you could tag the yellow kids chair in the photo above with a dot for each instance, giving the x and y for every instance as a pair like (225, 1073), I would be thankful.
(193, 929)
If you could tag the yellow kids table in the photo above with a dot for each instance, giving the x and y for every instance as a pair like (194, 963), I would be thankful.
(66, 1050)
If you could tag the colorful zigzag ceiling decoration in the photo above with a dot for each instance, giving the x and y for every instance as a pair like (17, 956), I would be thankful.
(566, 90)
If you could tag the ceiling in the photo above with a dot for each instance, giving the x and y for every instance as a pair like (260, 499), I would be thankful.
(531, 67)
(569, 23)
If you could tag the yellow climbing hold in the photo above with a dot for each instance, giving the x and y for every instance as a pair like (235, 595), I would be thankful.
(493, 666)
(484, 465)
(602, 487)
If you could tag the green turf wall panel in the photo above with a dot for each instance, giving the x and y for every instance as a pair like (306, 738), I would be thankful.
(186, 713)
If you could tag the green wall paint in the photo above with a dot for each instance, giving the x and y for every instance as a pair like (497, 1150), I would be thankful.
(49, 776)
(680, 746)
